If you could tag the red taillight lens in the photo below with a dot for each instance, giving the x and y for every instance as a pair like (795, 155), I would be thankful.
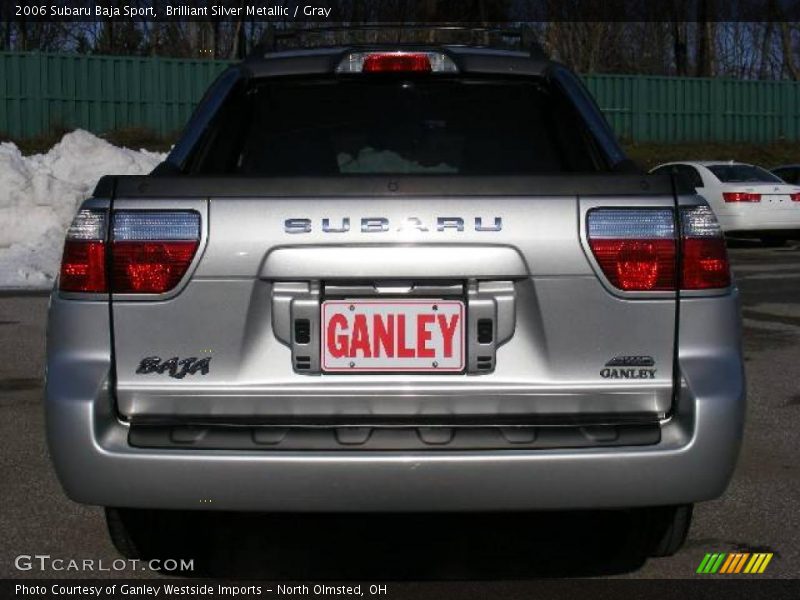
(83, 264)
(83, 267)
(150, 267)
(795, 197)
(637, 265)
(741, 197)
(396, 62)
(705, 264)
(705, 258)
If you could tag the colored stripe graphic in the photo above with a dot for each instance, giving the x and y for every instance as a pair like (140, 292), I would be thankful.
(703, 563)
(764, 564)
(726, 566)
(741, 562)
(758, 563)
(711, 563)
(753, 564)
(735, 562)
(715, 567)
(730, 564)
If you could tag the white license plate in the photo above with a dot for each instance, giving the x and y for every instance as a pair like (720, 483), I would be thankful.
(386, 335)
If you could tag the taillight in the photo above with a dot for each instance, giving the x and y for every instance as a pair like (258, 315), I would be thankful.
(635, 248)
(795, 197)
(83, 264)
(705, 258)
(741, 197)
(396, 62)
(151, 251)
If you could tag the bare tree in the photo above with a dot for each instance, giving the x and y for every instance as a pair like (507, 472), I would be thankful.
(788, 51)
(704, 39)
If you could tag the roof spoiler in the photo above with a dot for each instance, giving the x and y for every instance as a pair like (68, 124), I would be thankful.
(398, 34)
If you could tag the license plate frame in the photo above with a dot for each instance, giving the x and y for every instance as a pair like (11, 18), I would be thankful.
(409, 309)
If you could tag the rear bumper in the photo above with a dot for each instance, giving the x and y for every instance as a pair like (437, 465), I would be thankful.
(773, 221)
(693, 460)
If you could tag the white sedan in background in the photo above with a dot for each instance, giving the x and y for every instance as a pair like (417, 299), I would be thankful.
(746, 199)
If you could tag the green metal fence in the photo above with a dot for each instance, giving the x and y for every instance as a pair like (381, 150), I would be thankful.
(39, 91)
(676, 109)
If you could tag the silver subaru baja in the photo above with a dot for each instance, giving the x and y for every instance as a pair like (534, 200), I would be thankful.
(395, 279)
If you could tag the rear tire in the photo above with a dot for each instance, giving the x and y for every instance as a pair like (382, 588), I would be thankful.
(146, 534)
(120, 533)
(665, 529)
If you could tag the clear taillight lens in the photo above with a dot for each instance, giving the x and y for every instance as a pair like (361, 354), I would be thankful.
(635, 248)
(83, 264)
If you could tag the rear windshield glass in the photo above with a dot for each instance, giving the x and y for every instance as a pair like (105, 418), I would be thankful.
(743, 174)
(396, 126)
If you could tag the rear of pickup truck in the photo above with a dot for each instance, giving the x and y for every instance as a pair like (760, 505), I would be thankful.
(395, 281)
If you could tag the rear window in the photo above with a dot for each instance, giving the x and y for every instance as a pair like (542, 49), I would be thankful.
(396, 127)
(789, 175)
(743, 174)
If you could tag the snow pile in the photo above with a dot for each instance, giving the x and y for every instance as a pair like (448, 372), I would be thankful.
(39, 195)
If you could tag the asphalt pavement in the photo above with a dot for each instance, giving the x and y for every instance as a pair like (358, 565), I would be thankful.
(758, 513)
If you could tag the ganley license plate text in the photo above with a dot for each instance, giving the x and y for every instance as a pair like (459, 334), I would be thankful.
(408, 335)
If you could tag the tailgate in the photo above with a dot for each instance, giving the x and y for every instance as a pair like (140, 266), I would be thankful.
(546, 337)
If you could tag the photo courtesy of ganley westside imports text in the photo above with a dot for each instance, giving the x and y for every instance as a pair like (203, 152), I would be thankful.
(106, 590)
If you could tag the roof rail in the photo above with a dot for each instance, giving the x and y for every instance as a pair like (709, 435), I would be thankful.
(274, 39)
